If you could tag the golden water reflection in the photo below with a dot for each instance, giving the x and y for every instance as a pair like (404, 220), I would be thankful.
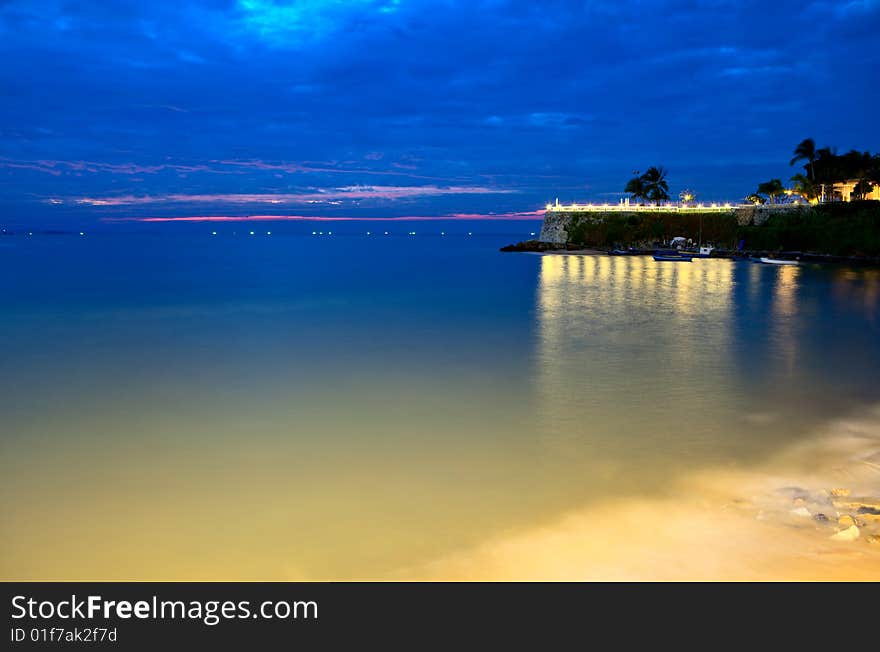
(268, 462)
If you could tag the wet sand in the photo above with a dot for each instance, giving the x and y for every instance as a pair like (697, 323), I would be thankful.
(788, 519)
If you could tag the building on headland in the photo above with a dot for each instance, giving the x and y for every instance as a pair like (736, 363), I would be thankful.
(844, 189)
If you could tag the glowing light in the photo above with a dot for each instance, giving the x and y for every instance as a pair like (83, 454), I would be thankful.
(268, 233)
(213, 233)
(252, 232)
(386, 232)
(81, 233)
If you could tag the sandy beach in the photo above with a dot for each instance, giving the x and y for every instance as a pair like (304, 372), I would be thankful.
(810, 513)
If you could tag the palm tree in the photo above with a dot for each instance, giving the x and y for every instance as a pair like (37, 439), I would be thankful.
(636, 188)
(862, 189)
(771, 189)
(655, 184)
(827, 170)
(806, 151)
(805, 187)
(859, 166)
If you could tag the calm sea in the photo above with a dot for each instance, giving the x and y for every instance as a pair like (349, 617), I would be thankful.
(177, 405)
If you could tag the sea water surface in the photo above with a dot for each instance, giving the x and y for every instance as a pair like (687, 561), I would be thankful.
(177, 405)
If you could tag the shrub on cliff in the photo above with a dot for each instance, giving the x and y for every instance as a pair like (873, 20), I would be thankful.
(628, 229)
(840, 228)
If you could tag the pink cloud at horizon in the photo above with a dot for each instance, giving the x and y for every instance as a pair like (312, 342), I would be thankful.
(522, 215)
(321, 196)
(57, 168)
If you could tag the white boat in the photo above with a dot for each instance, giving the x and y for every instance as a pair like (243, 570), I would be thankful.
(779, 261)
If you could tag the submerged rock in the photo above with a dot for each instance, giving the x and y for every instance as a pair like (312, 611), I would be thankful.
(820, 517)
(794, 492)
(873, 538)
(858, 504)
(849, 534)
(533, 245)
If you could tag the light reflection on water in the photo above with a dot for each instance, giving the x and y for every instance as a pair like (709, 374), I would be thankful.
(289, 415)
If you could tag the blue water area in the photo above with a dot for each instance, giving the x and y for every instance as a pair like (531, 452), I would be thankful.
(290, 405)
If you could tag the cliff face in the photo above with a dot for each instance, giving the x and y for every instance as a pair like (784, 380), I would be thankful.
(554, 227)
(608, 228)
(559, 226)
(839, 228)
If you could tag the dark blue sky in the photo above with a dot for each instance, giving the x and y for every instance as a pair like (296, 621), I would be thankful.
(415, 108)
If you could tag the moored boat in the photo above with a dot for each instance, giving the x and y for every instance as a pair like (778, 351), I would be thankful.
(778, 261)
(672, 259)
(704, 252)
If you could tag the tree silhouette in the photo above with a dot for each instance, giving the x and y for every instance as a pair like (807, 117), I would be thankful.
(806, 151)
(772, 190)
(636, 188)
(656, 186)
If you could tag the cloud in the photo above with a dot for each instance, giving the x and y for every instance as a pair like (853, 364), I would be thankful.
(846, 9)
(516, 215)
(260, 98)
(321, 196)
(57, 168)
(741, 71)
(294, 22)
